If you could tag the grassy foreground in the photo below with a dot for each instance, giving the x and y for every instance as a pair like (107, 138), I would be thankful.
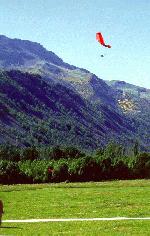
(77, 200)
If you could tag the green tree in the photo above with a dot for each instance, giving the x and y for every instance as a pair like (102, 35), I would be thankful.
(30, 153)
(136, 148)
(56, 153)
(9, 152)
(142, 165)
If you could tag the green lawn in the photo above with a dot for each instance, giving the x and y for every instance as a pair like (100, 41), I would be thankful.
(77, 200)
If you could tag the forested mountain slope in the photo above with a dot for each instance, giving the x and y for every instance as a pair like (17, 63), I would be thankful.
(44, 100)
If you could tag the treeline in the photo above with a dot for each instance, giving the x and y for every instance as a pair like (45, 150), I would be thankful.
(56, 164)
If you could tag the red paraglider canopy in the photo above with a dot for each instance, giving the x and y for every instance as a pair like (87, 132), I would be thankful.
(100, 39)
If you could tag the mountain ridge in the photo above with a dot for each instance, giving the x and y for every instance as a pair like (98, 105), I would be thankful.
(55, 100)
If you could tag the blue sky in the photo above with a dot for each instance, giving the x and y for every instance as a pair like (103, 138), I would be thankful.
(68, 28)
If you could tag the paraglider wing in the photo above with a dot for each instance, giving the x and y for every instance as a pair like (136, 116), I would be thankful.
(100, 39)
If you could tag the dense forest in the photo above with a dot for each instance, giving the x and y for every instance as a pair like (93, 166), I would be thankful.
(56, 164)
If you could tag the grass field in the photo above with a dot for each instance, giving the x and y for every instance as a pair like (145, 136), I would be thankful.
(77, 200)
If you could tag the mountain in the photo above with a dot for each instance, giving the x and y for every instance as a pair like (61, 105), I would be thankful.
(23, 53)
(44, 100)
(135, 103)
